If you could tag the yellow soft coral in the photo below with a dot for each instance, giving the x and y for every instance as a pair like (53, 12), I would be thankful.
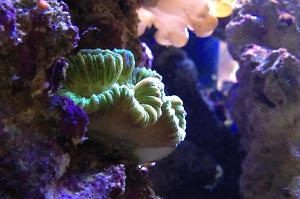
(221, 8)
(173, 18)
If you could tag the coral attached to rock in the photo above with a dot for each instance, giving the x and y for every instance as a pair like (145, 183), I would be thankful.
(46, 150)
(127, 105)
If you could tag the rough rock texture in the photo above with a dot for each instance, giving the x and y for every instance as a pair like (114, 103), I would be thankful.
(30, 40)
(108, 184)
(106, 24)
(272, 24)
(207, 164)
(269, 119)
(266, 100)
(43, 145)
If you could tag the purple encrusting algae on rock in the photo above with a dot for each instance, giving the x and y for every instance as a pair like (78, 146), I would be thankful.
(55, 74)
(109, 183)
(45, 148)
(264, 38)
(32, 38)
(272, 165)
(31, 156)
(73, 120)
(269, 23)
(146, 57)
(8, 28)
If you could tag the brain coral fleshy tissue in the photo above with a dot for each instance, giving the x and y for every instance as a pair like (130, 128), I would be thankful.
(127, 105)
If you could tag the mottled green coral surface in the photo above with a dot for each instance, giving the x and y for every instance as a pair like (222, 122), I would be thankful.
(125, 103)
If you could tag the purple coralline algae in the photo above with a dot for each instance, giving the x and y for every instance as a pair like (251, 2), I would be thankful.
(272, 24)
(8, 29)
(147, 56)
(31, 157)
(73, 120)
(29, 164)
(108, 184)
(33, 38)
(46, 150)
(271, 167)
(55, 74)
(264, 38)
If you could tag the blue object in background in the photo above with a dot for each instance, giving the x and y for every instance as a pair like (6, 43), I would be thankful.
(204, 52)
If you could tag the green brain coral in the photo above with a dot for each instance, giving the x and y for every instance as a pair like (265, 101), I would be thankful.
(124, 102)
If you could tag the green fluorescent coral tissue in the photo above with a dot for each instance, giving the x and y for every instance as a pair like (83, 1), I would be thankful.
(125, 103)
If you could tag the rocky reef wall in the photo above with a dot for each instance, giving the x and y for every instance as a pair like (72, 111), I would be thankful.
(263, 36)
(44, 147)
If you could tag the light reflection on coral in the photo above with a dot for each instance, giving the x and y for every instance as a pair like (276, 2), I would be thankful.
(173, 18)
